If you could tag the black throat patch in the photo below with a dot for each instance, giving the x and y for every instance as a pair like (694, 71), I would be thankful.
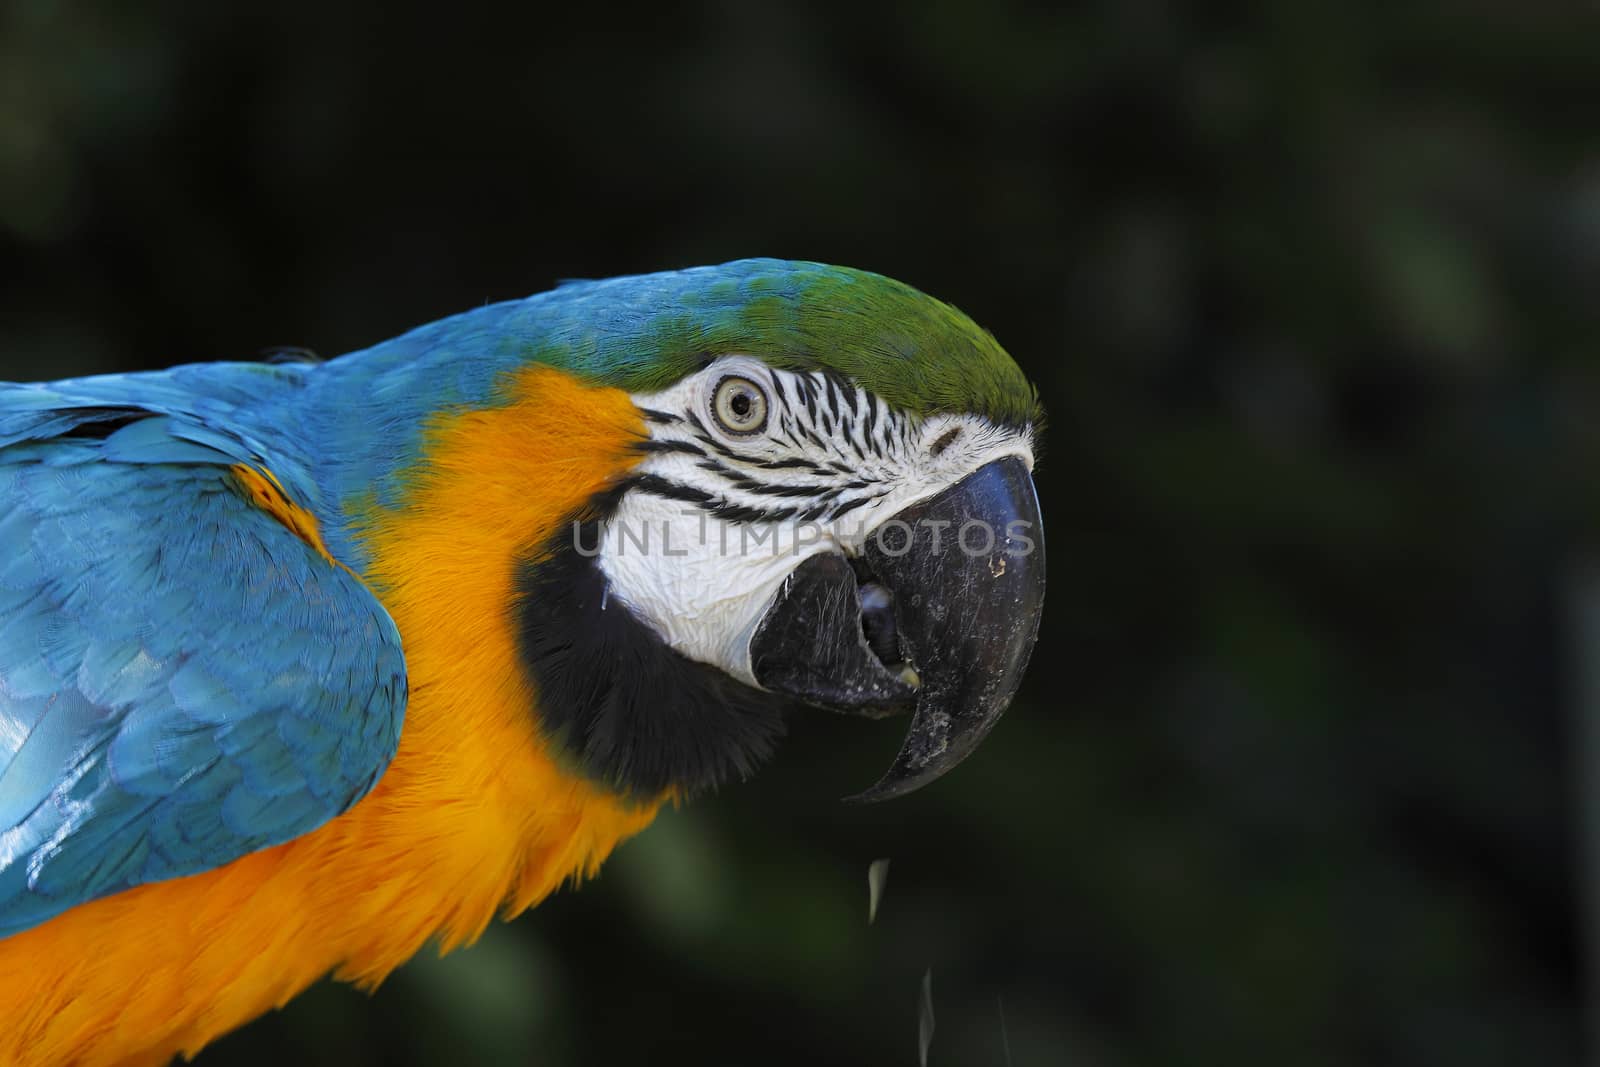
(629, 710)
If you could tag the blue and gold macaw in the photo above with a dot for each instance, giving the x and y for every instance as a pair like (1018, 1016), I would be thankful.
(305, 665)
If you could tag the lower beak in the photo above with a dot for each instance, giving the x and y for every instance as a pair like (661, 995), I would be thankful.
(938, 613)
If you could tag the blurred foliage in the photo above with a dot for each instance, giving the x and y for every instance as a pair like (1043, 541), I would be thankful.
(1309, 292)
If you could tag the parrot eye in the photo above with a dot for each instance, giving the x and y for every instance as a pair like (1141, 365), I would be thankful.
(740, 406)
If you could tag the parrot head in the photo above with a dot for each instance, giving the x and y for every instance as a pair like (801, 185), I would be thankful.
(830, 505)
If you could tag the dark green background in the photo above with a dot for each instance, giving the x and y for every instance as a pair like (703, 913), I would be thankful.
(1309, 292)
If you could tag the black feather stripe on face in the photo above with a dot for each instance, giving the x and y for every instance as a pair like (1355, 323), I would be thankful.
(811, 411)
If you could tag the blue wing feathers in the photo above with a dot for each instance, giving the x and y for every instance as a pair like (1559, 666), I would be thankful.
(182, 680)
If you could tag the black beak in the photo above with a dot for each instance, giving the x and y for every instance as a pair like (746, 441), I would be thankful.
(938, 614)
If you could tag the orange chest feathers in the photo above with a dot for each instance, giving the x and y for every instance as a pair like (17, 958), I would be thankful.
(473, 816)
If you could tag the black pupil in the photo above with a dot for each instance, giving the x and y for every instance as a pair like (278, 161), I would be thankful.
(740, 404)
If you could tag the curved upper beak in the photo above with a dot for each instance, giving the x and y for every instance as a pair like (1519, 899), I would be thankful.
(938, 613)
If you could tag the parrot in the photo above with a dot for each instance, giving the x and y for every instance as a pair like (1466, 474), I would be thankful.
(308, 663)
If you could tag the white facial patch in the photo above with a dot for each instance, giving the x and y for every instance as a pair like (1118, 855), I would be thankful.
(722, 511)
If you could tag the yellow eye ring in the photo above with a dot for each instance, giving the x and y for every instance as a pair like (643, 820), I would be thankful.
(740, 406)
